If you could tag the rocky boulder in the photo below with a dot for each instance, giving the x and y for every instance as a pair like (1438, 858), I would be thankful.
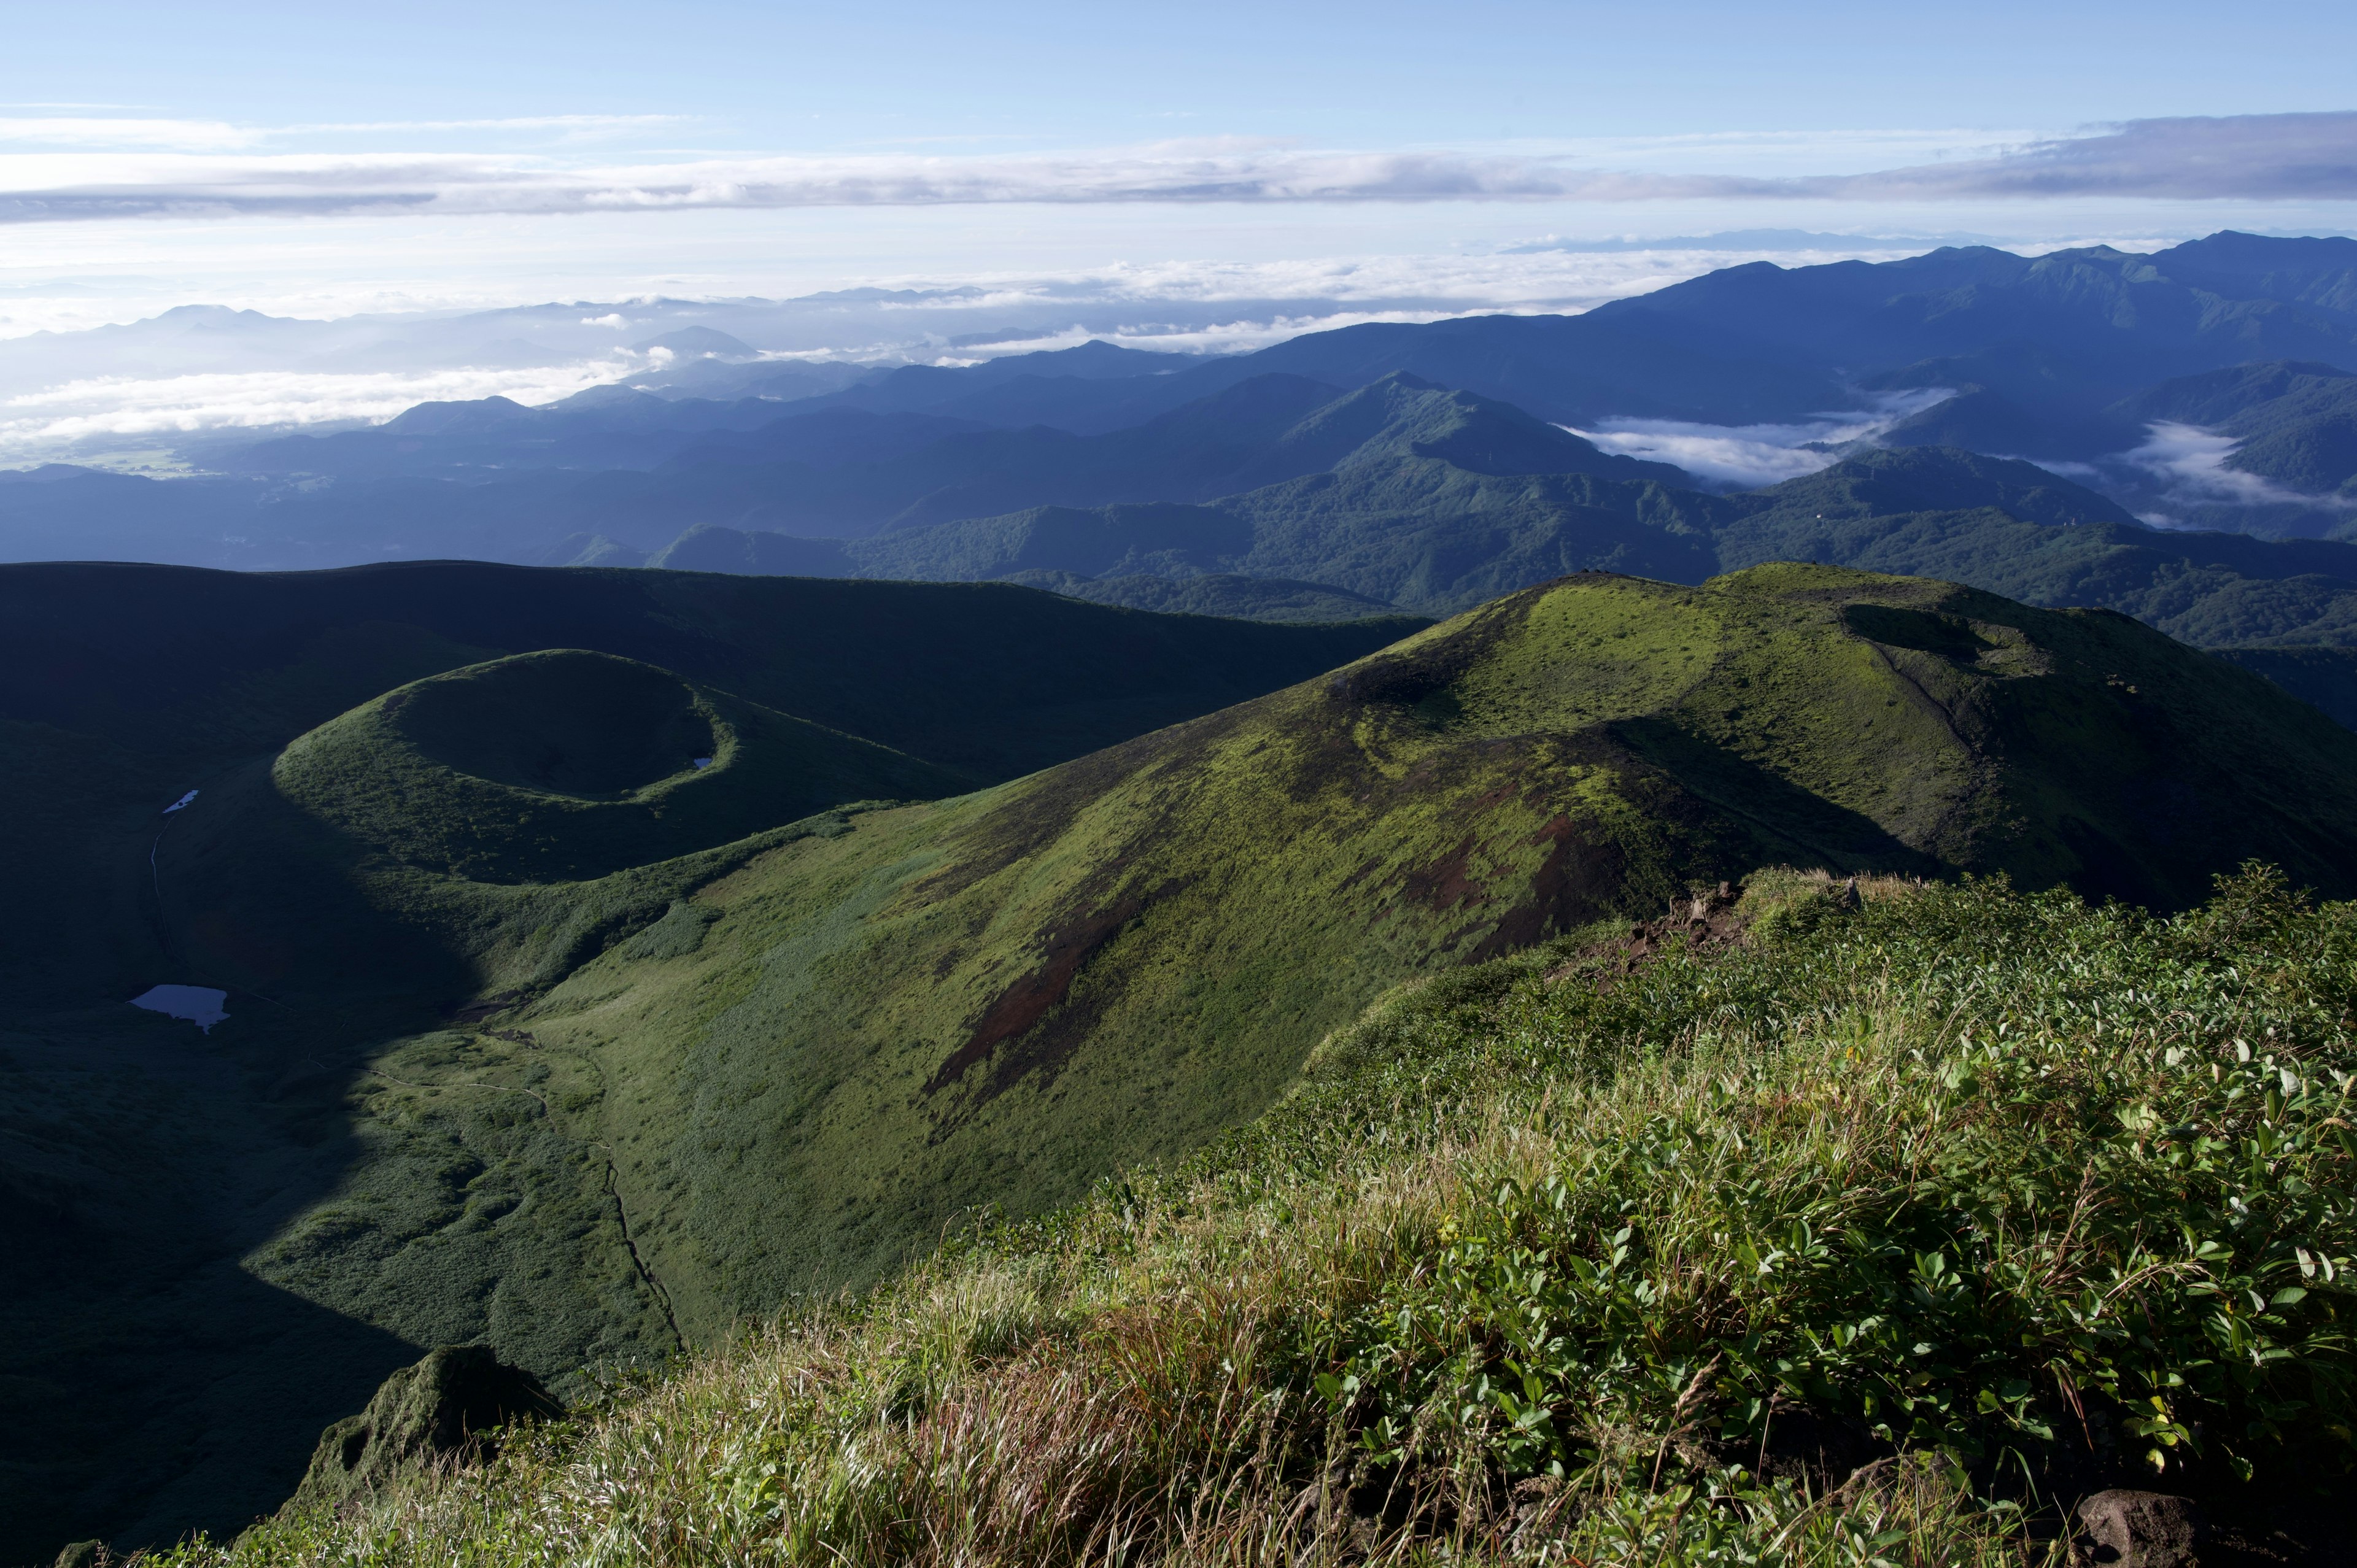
(443, 1410)
(2139, 1530)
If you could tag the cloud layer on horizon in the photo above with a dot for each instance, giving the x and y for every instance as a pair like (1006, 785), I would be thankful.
(2309, 156)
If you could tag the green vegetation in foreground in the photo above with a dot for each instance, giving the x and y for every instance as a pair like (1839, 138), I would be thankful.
(2004, 1196)
(792, 1060)
(588, 1123)
(151, 1378)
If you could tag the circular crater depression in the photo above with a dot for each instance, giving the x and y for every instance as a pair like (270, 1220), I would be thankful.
(567, 722)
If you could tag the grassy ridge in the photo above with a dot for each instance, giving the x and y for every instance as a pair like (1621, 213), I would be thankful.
(1551, 1259)
(165, 1360)
(595, 1120)
(566, 765)
(852, 1036)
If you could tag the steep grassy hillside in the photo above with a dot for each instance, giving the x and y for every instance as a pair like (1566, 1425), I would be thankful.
(840, 1041)
(1832, 1236)
(1127, 952)
(450, 768)
(590, 1121)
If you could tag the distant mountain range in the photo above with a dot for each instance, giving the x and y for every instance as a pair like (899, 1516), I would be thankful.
(737, 875)
(1419, 468)
(601, 957)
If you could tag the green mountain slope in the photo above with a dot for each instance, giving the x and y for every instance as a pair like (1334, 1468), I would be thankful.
(2015, 530)
(122, 687)
(355, 740)
(586, 1120)
(1421, 497)
(1418, 532)
(1397, 525)
(2292, 423)
(1892, 483)
(842, 1040)
(566, 766)
(1332, 1335)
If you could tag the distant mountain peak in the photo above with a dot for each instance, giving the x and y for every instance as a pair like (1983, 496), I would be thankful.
(697, 343)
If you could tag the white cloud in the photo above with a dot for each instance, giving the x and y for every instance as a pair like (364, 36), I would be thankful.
(565, 122)
(2260, 156)
(84, 131)
(1747, 456)
(90, 132)
(122, 406)
(2189, 465)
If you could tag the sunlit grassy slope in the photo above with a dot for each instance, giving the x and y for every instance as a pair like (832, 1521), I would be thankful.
(589, 1121)
(566, 766)
(414, 853)
(122, 686)
(1876, 1237)
(834, 1043)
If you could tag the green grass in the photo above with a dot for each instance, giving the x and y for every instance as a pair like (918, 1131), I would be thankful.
(152, 1378)
(789, 1062)
(1539, 1259)
(879, 1024)
(566, 765)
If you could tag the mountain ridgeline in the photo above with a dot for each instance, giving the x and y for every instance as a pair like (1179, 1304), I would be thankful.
(582, 1005)
(841, 809)
(413, 786)
(2239, 344)
(1411, 525)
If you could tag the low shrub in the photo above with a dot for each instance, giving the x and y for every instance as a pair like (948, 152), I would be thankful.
(1868, 1239)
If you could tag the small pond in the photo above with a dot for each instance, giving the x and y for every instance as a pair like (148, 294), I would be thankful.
(199, 1005)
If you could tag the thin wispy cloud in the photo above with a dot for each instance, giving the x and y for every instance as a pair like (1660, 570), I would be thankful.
(2245, 158)
(86, 132)
(103, 407)
(2189, 463)
(570, 123)
(2250, 158)
(93, 131)
(1747, 457)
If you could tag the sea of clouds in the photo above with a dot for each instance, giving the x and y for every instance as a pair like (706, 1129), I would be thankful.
(359, 282)
(115, 383)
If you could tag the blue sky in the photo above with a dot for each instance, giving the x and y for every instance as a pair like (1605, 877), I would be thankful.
(839, 77)
(325, 158)
(1200, 176)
